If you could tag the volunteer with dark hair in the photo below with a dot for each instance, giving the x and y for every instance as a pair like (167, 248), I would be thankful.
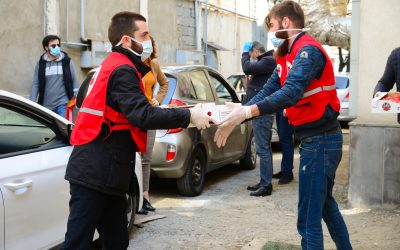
(303, 83)
(260, 69)
(109, 128)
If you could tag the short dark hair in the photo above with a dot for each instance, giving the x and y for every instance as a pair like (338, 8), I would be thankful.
(258, 46)
(48, 38)
(289, 9)
(123, 23)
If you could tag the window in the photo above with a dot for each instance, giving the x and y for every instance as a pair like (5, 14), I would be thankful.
(341, 82)
(222, 92)
(19, 132)
(200, 88)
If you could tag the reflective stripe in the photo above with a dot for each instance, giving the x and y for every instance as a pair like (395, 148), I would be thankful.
(319, 89)
(91, 111)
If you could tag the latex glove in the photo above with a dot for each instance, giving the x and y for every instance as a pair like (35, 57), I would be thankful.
(199, 119)
(155, 102)
(238, 114)
(247, 46)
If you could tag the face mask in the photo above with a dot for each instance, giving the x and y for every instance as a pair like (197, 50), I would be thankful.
(141, 43)
(147, 50)
(278, 41)
(55, 51)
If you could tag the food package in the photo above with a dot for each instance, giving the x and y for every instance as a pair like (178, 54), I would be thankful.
(381, 103)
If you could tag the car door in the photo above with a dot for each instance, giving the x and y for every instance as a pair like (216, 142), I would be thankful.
(33, 157)
(236, 143)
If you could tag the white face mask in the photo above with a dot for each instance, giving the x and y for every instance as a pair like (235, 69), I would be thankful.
(278, 41)
(147, 50)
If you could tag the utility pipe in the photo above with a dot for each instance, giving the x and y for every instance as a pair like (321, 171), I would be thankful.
(83, 38)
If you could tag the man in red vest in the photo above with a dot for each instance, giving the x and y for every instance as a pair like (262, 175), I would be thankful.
(302, 83)
(110, 127)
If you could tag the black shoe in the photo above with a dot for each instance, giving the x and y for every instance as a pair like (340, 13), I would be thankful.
(277, 175)
(254, 187)
(285, 179)
(147, 206)
(262, 191)
(142, 211)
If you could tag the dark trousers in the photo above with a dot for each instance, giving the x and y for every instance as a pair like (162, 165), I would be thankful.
(285, 132)
(90, 210)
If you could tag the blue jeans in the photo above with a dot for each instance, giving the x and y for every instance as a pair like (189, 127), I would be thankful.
(319, 158)
(262, 126)
(285, 132)
(61, 110)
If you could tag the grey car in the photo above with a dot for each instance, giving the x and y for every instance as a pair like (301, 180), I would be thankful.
(188, 154)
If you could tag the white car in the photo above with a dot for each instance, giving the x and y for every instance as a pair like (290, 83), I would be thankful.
(342, 82)
(34, 196)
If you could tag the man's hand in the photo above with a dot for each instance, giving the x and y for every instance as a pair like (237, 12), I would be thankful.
(247, 46)
(238, 114)
(199, 119)
(393, 94)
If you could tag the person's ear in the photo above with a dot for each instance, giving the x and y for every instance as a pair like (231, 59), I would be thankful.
(285, 22)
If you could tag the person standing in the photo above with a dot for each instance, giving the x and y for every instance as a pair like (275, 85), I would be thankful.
(149, 57)
(260, 64)
(285, 133)
(391, 76)
(54, 81)
(111, 125)
(303, 83)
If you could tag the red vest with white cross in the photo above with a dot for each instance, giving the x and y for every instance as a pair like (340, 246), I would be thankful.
(94, 110)
(318, 94)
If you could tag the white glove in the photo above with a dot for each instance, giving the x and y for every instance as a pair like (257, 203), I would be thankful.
(199, 119)
(155, 102)
(238, 114)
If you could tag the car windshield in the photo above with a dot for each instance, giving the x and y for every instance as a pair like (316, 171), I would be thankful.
(341, 82)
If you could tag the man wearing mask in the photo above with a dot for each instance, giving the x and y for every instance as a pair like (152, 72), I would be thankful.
(110, 127)
(260, 64)
(303, 83)
(54, 80)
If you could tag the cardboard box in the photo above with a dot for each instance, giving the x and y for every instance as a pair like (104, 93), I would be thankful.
(380, 105)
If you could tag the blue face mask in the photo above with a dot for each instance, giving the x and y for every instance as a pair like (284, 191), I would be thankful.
(278, 41)
(55, 51)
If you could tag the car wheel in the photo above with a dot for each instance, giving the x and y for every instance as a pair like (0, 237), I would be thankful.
(250, 158)
(131, 209)
(192, 182)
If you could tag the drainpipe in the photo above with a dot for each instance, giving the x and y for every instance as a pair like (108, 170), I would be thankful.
(83, 38)
(197, 10)
(205, 33)
(44, 17)
(143, 8)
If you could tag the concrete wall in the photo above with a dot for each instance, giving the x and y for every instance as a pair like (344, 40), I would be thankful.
(374, 138)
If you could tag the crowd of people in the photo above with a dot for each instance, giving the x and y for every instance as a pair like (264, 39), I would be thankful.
(119, 113)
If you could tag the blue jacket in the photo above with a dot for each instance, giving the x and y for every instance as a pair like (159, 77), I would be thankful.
(260, 71)
(273, 97)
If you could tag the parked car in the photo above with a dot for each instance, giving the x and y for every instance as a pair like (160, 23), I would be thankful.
(34, 151)
(188, 154)
(239, 82)
(342, 82)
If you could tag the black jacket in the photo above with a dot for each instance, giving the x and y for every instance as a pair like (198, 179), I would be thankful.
(260, 71)
(391, 75)
(107, 163)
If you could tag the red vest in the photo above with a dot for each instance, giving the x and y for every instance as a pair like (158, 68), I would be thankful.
(94, 111)
(319, 92)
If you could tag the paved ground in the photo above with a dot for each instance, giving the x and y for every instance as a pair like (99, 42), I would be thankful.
(226, 217)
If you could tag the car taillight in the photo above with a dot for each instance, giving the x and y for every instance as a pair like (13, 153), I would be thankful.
(347, 97)
(175, 102)
(171, 151)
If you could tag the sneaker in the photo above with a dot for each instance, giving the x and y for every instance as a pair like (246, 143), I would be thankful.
(262, 191)
(254, 187)
(285, 179)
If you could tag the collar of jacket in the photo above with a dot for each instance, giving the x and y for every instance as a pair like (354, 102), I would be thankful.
(268, 53)
(140, 66)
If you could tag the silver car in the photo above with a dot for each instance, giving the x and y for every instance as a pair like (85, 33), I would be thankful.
(188, 154)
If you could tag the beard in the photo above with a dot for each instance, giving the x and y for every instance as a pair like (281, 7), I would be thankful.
(282, 50)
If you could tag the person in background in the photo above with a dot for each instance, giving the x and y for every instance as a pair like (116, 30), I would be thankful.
(54, 81)
(391, 76)
(303, 83)
(260, 64)
(110, 127)
(149, 57)
(285, 132)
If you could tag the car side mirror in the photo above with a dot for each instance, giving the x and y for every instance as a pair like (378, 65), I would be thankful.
(243, 99)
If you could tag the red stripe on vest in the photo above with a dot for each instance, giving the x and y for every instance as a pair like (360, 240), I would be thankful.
(311, 108)
(94, 111)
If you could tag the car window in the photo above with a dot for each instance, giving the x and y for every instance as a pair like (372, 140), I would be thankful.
(19, 132)
(200, 89)
(222, 92)
(341, 82)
